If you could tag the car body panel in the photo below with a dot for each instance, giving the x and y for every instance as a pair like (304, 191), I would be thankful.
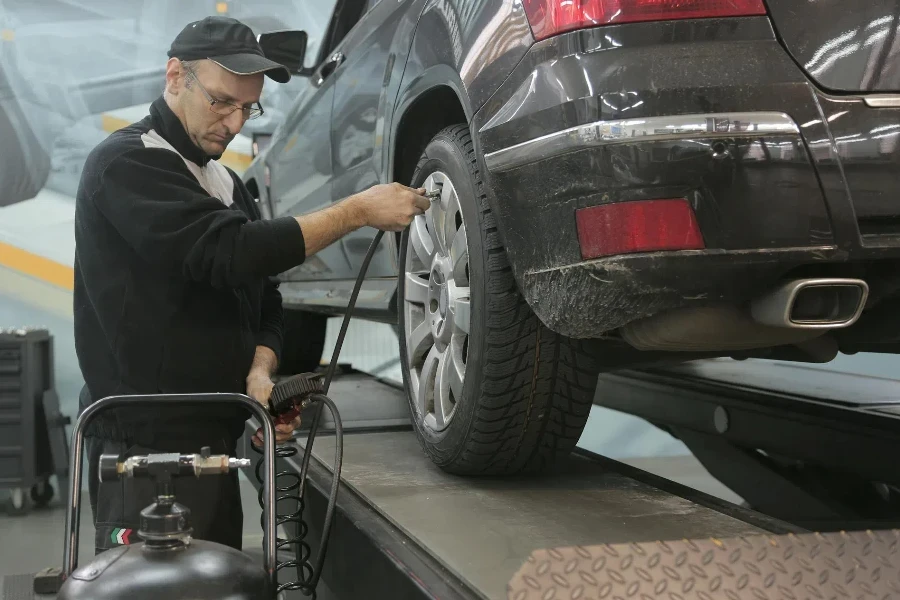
(861, 155)
(356, 161)
(762, 211)
(433, 43)
(366, 85)
(780, 180)
(299, 160)
(470, 46)
(843, 46)
(633, 72)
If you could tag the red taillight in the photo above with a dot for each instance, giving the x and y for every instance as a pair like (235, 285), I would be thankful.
(640, 226)
(551, 17)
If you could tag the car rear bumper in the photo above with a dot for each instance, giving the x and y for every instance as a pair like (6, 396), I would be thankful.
(711, 111)
(701, 128)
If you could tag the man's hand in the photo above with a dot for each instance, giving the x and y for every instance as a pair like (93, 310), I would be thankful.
(391, 206)
(283, 433)
(259, 387)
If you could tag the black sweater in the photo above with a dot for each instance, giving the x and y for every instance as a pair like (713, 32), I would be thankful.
(172, 277)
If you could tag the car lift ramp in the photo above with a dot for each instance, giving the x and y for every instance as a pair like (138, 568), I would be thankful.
(593, 528)
(813, 447)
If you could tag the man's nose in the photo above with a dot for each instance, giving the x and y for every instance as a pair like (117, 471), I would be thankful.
(235, 121)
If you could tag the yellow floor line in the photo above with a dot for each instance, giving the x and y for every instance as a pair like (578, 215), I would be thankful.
(41, 268)
(63, 276)
(237, 161)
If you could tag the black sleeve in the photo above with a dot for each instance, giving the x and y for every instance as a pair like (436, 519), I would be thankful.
(271, 318)
(158, 207)
(271, 321)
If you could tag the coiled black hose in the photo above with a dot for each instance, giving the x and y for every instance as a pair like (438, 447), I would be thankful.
(308, 575)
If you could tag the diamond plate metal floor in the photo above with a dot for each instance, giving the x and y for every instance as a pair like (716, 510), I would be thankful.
(789, 567)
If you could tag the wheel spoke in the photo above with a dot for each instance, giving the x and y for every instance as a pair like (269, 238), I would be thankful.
(416, 289)
(459, 256)
(434, 217)
(451, 207)
(459, 308)
(443, 406)
(456, 368)
(419, 341)
(448, 387)
(421, 241)
(415, 385)
(425, 392)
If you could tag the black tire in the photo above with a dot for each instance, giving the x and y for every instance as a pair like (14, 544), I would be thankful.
(304, 341)
(42, 494)
(527, 392)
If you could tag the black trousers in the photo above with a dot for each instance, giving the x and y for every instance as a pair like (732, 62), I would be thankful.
(214, 500)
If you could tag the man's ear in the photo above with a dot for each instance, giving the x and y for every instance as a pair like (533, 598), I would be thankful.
(175, 76)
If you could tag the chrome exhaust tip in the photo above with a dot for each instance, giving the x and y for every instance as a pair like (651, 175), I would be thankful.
(817, 303)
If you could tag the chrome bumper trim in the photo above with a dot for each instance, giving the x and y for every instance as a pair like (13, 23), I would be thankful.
(648, 129)
(882, 101)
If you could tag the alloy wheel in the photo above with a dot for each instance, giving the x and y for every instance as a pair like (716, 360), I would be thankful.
(436, 306)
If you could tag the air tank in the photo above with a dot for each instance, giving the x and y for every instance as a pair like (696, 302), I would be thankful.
(168, 564)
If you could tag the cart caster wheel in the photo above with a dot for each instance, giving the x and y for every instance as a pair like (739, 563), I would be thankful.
(42, 494)
(18, 503)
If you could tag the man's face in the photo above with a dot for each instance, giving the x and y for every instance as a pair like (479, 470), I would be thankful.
(211, 131)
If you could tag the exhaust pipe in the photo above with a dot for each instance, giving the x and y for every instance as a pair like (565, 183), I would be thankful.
(818, 303)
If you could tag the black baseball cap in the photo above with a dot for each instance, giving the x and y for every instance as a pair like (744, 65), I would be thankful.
(228, 43)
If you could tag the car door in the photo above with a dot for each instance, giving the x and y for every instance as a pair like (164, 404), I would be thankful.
(370, 69)
(299, 163)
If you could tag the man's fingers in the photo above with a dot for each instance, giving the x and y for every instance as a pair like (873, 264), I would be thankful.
(417, 191)
(421, 191)
(422, 203)
(284, 432)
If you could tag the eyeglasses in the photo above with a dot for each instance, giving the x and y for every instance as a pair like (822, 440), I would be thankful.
(221, 107)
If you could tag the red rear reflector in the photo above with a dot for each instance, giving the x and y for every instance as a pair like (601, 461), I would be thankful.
(551, 17)
(641, 226)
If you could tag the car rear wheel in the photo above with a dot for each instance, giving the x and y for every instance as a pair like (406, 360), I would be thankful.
(491, 390)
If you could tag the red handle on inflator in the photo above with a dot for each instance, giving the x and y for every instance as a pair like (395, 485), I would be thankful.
(288, 395)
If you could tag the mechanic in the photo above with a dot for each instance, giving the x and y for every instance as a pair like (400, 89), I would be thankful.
(173, 276)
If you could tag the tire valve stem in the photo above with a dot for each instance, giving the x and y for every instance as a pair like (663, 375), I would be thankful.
(435, 196)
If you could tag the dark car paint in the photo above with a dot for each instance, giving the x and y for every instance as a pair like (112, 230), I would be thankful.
(741, 202)
(761, 217)
(366, 84)
(866, 143)
(842, 45)
(408, 48)
(467, 46)
(746, 208)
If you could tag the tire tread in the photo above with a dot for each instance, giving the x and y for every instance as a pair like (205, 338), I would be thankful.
(535, 398)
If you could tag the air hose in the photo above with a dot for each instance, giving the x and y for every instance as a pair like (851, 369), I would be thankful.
(308, 575)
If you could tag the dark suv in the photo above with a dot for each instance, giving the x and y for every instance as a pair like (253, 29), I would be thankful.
(623, 183)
